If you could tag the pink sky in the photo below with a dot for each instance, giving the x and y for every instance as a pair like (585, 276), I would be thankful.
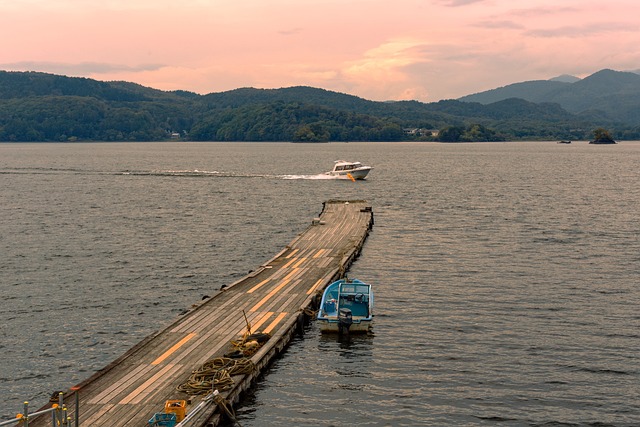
(376, 49)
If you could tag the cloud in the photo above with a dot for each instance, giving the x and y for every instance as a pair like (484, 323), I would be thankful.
(457, 3)
(541, 11)
(388, 71)
(78, 69)
(290, 32)
(582, 30)
(497, 24)
(92, 4)
(386, 59)
(426, 50)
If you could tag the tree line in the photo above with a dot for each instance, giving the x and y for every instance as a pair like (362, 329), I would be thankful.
(44, 107)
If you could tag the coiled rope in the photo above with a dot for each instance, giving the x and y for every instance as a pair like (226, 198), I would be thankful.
(248, 345)
(216, 374)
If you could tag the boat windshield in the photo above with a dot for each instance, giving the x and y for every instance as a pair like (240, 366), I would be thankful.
(347, 166)
(354, 288)
(355, 297)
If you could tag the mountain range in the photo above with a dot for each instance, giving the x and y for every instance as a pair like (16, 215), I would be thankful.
(605, 95)
(46, 107)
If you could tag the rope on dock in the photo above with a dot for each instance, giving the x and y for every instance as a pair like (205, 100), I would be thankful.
(309, 312)
(216, 374)
(248, 345)
(224, 406)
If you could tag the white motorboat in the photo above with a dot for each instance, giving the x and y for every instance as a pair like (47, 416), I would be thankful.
(351, 170)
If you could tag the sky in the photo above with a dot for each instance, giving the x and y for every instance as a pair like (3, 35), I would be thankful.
(424, 50)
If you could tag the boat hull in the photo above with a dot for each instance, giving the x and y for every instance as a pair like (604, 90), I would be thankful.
(333, 326)
(355, 173)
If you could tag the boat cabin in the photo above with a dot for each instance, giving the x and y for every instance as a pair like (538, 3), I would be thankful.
(346, 166)
(353, 296)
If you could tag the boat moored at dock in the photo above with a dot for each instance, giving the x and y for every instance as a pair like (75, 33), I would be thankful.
(346, 307)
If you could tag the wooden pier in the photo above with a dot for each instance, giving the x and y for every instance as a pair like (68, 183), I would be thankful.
(275, 299)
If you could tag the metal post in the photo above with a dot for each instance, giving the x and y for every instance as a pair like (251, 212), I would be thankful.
(192, 414)
(77, 422)
(63, 409)
(26, 414)
(20, 418)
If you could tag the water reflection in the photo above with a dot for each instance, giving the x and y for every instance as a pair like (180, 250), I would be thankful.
(347, 355)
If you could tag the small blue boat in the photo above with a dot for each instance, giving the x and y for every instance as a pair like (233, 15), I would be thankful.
(346, 307)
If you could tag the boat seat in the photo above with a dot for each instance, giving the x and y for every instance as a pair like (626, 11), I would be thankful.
(360, 310)
(330, 307)
(357, 308)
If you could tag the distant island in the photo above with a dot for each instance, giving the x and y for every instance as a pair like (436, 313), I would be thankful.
(602, 136)
(44, 107)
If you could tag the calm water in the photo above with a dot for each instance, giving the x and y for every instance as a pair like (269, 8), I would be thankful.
(506, 274)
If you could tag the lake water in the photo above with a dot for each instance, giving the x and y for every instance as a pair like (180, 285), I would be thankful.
(506, 275)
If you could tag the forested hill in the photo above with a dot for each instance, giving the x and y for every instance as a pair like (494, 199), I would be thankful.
(46, 107)
(612, 95)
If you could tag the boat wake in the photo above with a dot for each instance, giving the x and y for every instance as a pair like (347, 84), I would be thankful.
(319, 176)
(195, 174)
(187, 173)
(218, 174)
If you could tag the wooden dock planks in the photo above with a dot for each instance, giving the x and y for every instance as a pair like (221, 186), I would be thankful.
(136, 385)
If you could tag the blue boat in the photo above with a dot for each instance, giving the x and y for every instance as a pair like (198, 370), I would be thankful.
(346, 307)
